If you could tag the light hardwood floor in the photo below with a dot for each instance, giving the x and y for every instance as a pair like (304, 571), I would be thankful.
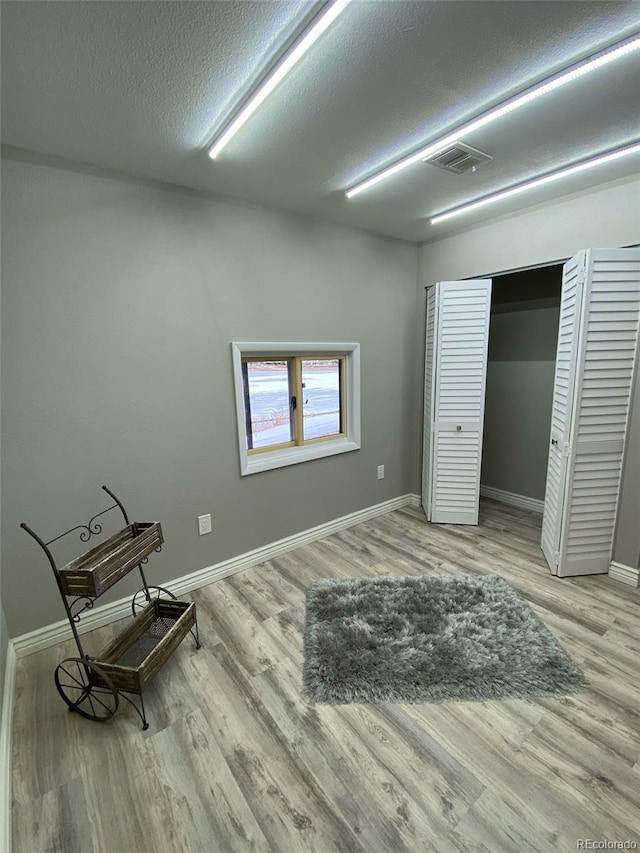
(235, 760)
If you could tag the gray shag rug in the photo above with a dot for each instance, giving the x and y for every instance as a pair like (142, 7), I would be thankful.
(428, 639)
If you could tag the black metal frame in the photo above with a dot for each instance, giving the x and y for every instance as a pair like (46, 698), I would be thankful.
(93, 528)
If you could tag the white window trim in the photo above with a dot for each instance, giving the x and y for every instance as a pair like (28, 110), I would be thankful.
(268, 460)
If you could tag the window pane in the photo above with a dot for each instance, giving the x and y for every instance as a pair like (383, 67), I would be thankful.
(321, 395)
(267, 402)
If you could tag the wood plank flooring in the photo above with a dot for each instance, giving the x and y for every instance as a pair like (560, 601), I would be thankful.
(235, 760)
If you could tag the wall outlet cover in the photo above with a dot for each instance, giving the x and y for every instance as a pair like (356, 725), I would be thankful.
(204, 524)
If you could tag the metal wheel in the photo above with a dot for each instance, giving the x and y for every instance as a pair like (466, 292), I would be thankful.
(144, 596)
(86, 689)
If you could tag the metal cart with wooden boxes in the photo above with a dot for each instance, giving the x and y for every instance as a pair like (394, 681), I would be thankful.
(92, 686)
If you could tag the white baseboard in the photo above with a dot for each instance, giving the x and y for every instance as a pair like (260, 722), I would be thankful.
(512, 499)
(6, 729)
(50, 635)
(624, 574)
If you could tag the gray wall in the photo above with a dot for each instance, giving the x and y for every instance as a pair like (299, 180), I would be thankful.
(520, 373)
(543, 234)
(4, 635)
(4, 641)
(120, 300)
(521, 365)
(627, 547)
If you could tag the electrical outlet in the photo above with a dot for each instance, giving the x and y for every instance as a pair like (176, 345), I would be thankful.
(381, 472)
(204, 524)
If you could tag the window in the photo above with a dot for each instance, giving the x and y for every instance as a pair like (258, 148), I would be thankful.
(295, 402)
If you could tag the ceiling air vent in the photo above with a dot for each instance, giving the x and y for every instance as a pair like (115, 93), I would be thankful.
(459, 158)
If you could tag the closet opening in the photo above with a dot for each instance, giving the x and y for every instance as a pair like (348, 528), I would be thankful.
(523, 335)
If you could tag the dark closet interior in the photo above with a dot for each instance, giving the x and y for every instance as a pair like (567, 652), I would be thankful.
(523, 334)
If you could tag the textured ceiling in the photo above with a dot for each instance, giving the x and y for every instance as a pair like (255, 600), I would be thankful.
(141, 87)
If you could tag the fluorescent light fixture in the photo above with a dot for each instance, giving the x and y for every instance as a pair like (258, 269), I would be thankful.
(537, 182)
(573, 73)
(326, 17)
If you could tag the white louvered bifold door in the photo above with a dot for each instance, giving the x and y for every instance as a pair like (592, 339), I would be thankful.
(607, 358)
(563, 398)
(606, 355)
(429, 398)
(461, 337)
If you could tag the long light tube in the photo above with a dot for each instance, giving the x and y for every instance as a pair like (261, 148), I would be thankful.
(536, 182)
(553, 83)
(321, 23)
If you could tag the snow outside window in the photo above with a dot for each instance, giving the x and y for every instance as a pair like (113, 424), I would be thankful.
(295, 402)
